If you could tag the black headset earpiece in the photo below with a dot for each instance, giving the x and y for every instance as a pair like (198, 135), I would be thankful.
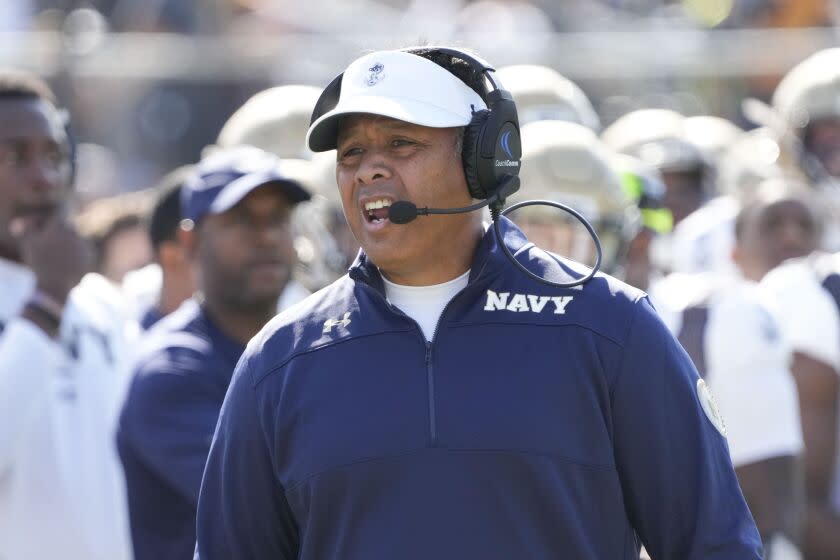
(469, 148)
(491, 147)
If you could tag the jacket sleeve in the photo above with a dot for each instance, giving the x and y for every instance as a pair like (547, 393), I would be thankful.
(28, 357)
(169, 416)
(242, 508)
(679, 486)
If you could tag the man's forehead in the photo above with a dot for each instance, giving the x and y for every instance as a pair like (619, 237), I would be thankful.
(29, 119)
(266, 196)
(350, 123)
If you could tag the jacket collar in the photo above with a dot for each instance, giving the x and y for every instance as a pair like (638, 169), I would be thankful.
(487, 261)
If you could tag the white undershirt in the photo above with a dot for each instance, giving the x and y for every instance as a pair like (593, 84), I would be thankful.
(424, 304)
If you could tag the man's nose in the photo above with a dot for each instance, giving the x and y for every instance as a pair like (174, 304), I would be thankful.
(373, 167)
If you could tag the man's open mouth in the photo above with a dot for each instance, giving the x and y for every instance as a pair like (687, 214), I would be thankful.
(376, 211)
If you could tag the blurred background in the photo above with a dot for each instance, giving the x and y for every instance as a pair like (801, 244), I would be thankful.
(149, 83)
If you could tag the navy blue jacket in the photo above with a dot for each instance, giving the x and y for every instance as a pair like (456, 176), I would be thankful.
(167, 425)
(529, 427)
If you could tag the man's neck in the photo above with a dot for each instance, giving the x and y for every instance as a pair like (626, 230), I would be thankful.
(172, 295)
(239, 324)
(9, 254)
(441, 267)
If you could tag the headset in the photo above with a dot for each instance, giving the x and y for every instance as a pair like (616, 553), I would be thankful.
(491, 154)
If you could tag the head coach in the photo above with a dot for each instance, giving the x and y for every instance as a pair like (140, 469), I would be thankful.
(436, 402)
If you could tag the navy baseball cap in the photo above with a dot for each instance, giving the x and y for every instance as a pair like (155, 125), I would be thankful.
(227, 175)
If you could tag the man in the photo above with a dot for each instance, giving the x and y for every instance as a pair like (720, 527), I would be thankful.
(567, 163)
(237, 209)
(807, 289)
(807, 293)
(436, 402)
(644, 184)
(657, 136)
(276, 120)
(63, 357)
(726, 326)
(160, 288)
(806, 99)
(806, 119)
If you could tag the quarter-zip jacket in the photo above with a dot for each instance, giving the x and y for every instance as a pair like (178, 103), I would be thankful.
(538, 423)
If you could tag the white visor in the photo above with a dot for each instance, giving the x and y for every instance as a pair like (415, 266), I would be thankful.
(399, 85)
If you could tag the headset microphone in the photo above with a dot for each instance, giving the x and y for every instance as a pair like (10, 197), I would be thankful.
(403, 211)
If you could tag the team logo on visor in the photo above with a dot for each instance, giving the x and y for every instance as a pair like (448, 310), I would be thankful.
(375, 74)
(505, 141)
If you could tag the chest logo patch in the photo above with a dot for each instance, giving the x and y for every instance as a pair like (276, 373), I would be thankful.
(707, 402)
(520, 303)
(330, 323)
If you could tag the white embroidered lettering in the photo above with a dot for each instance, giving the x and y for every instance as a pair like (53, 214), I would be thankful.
(518, 303)
(560, 303)
(496, 301)
(537, 302)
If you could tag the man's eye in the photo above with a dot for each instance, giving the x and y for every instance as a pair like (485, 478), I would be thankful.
(400, 142)
(350, 152)
(240, 218)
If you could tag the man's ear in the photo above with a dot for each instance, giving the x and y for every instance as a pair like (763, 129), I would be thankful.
(188, 238)
(172, 253)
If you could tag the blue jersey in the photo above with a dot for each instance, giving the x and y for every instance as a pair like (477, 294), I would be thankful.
(167, 425)
(539, 423)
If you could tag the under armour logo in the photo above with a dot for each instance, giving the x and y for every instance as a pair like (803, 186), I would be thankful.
(330, 323)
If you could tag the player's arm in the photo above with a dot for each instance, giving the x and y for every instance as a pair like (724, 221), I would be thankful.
(242, 508)
(818, 389)
(169, 416)
(680, 489)
(809, 320)
(772, 490)
(748, 367)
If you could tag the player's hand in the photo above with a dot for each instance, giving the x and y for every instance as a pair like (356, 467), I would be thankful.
(54, 251)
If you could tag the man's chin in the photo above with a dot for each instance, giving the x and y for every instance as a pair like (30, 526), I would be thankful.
(259, 301)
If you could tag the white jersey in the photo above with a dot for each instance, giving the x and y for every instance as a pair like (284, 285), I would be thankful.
(141, 289)
(807, 292)
(737, 347)
(62, 492)
(703, 241)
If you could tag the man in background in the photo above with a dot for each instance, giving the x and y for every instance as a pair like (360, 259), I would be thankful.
(160, 288)
(64, 361)
(236, 209)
